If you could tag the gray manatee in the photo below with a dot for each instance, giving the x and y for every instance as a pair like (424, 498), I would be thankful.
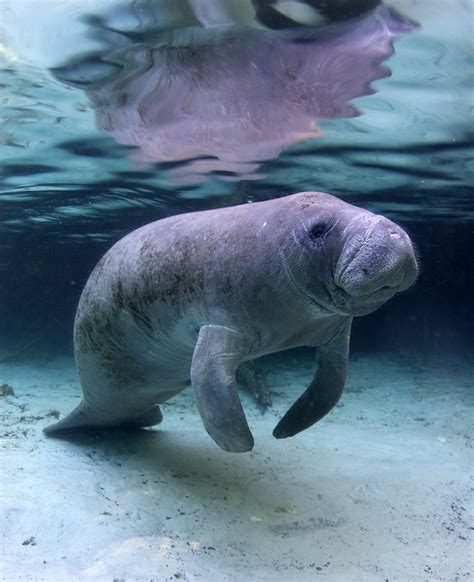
(188, 298)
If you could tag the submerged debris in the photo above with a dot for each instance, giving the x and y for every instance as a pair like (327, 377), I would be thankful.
(53, 413)
(6, 390)
(253, 378)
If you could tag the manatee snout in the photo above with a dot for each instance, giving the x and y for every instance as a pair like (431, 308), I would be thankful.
(377, 263)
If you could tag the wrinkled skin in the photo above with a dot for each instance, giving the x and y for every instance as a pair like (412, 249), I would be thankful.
(188, 298)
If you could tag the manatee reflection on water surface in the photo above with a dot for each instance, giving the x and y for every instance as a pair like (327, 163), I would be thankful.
(227, 99)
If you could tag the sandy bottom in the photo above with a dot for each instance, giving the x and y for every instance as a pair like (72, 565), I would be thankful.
(379, 490)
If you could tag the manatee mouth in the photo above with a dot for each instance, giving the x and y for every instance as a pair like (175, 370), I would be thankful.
(364, 294)
(355, 304)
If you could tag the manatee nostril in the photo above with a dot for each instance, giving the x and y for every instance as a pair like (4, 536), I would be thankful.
(394, 234)
(365, 270)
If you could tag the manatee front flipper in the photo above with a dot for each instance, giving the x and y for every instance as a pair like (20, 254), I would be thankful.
(218, 352)
(325, 389)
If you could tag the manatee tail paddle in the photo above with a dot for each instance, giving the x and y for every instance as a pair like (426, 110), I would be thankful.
(84, 417)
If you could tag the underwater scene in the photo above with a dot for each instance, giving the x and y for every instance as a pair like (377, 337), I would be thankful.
(236, 299)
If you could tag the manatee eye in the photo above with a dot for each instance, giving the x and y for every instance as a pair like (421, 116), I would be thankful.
(317, 232)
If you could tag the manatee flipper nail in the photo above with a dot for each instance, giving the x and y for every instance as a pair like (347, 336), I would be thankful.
(216, 356)
(324, 391)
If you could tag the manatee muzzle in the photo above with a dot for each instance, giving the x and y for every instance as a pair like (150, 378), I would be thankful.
(377, 265)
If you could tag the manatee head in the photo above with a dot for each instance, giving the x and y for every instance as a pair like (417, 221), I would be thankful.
(345, 259)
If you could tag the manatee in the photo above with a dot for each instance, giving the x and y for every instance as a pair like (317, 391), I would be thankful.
(186, 299)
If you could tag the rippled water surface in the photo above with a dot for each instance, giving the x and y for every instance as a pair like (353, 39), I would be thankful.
(119, 107)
